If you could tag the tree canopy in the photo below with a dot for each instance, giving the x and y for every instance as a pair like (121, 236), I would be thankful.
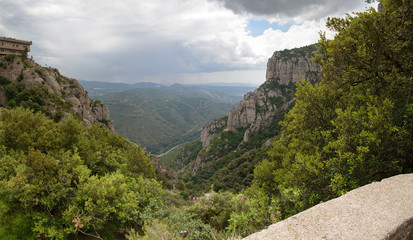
(61, 179)
(355, 126)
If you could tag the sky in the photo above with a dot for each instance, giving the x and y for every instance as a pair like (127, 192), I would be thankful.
(167, 41)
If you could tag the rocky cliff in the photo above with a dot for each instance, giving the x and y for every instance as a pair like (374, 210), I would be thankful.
(289, 66)
(258, 108)
(17, 74)
(208, 130)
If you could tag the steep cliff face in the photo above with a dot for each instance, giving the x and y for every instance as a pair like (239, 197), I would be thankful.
(67, 91)
(208, 130)
(256, 110)
(291, 66)
(284, 69)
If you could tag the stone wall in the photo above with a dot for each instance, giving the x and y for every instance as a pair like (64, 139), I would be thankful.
(380, 210)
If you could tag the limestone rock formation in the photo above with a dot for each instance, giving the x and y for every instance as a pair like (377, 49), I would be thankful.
(210, 129)
(69, 90)
(284, 69)
(256, 110)
(381, 210)
(291, 67)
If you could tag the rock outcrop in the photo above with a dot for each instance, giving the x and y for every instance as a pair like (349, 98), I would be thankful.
(292, 66)
(284, 69)
(208, 130)
(29, 73)
(381, 210)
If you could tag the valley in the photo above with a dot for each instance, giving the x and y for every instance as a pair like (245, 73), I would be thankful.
(148, 161)
(161, 117)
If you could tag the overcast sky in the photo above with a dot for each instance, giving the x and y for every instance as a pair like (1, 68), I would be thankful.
(166, 41)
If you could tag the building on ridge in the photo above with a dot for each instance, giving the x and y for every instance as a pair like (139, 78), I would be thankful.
(13, 46)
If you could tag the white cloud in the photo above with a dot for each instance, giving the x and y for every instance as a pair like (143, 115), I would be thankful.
(134, 40)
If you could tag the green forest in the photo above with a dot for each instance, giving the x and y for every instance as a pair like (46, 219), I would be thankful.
(62, 180)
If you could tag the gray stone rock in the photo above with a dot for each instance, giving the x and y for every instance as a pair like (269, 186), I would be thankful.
(291, 70)
(32, 74)
(380, 210)
(210, 129)
(257, 110)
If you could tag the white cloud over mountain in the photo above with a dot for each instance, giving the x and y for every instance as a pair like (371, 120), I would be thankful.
(131, 41)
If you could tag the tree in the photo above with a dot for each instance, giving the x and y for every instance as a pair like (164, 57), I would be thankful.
(355, 126)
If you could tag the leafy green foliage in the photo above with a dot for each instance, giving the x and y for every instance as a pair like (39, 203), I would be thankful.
(352, 128)
(214, 209)
(59, 180)
(37, 98)
(13, 90)
(205, 219)
(4, 81)
(299, 52)
(254, 210)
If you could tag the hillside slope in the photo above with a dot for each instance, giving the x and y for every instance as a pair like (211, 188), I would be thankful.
(26, 83)
(231, 146)
(162, 117)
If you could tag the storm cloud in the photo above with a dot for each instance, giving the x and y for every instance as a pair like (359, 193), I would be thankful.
(302, 9)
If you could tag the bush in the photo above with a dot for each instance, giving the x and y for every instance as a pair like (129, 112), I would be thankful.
(10, 57)
(60, 180)
(13, 90)
(4, 81)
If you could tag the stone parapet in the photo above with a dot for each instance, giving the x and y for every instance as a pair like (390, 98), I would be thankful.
(380, 210)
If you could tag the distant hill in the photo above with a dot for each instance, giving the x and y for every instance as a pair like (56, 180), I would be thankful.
(96, 88)
(162, 117)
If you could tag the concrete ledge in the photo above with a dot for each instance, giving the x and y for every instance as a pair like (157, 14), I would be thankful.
(380, 210)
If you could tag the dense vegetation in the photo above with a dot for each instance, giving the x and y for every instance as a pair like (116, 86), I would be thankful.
(61, 179)
(37, 98)
(355, 126)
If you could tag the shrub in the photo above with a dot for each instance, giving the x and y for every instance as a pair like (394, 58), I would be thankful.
(60, 180)
(4, 81)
